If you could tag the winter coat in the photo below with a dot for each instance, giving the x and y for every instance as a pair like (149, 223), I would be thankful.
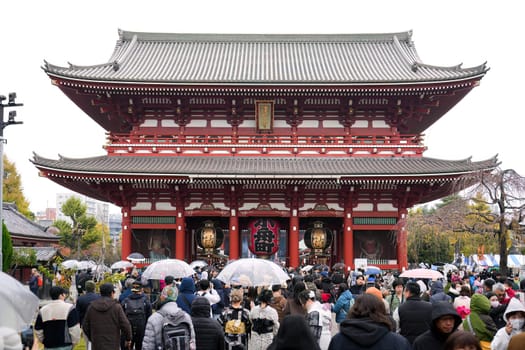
(478, 321)
(170, 310)
(502, 338)
(415, 317)
(363, 333)
(83, 303)
(186, 294)
(434, 339)
(208, 332)
(57, 325)
(342, 305)
(437, 294)
(104, 322)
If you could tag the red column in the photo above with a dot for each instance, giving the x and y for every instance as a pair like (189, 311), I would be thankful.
(180, 235)
(234, 235)
(402, 251)
(125, 244)
(348, 240)
(293, 239)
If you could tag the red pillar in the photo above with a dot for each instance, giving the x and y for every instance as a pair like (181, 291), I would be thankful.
(402, 251)
(125, 244)
(234, 235)
(180, 236)
(348, 240)
(293, 239)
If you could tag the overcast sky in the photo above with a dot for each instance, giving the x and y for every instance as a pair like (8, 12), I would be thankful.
(486, 122)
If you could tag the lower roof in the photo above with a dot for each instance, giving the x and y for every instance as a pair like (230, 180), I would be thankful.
(259, 167)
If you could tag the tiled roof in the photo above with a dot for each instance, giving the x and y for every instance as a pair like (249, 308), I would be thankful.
(42, 253)
(324, 59)
(18, 225)
(252, 167)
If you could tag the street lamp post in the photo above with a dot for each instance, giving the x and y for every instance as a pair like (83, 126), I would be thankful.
(10, 121)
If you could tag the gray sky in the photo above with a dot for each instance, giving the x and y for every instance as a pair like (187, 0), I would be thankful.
(486, 122)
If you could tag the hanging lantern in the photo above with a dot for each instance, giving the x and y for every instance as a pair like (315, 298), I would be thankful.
(209, 237)
(318, 238)
(264, 236)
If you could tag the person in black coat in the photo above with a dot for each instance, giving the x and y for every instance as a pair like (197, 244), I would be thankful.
(415, 315)
(209, 334)
(445, 321)
(368, 327)
(294, 334)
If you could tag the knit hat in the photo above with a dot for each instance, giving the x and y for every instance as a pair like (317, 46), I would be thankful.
(200, 307)
(90, 286)
(374, 291)
(9, 339)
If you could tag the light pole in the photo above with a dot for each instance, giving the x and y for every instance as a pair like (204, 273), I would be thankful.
(10, 121)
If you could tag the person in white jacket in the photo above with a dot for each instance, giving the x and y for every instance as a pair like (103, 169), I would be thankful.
(515, 318)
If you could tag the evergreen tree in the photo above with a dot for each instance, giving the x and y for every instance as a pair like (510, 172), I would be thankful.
(7, 249)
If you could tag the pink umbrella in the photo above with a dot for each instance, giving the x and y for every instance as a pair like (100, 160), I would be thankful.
(422, 273)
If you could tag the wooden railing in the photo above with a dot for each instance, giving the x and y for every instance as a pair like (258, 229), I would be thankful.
(394, 144)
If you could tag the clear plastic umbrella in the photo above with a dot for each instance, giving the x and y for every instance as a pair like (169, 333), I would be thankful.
(136, 257)
(198, 263)
(70, 264)
(422, 273)
(167, 267)
(122, 264)
(253, 272)
(19, 306)
(86, 264)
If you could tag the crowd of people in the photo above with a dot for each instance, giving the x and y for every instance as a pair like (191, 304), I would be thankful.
(316, 309)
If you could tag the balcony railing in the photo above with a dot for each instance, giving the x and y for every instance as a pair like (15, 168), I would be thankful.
(321, 144)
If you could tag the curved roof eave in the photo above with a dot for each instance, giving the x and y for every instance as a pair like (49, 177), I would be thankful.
(280, 84)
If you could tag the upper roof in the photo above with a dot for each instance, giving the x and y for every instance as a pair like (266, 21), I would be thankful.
(278, 59)
(20, 226)
(259, 167)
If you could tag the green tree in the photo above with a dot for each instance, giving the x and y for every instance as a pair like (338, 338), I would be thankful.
(82, 233)
(7, 249)
(12, 190)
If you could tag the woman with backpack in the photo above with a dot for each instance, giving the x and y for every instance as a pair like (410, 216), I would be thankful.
(343, 303)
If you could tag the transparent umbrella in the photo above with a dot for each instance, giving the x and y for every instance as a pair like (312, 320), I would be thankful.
(122, 264)
(253, 272)
(136, 257)
(198, 263)
(167, 267)
(86, 264)
(70, 264)
(19, 306)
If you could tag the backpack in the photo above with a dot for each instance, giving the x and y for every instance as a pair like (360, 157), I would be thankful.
(135, 310)
(175, 336)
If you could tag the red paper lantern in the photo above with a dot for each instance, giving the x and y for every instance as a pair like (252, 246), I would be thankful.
(264, 236)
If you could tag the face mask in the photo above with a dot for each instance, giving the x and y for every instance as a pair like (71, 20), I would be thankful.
(494, 303)
(517, 323)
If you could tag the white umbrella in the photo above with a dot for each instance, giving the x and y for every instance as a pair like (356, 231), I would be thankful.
(198, 263)
(253, 272)
(422, 273)
(19, 305)
(167, 267)
(136, 257)
(70, 264)
(86, 264)
(122, 264)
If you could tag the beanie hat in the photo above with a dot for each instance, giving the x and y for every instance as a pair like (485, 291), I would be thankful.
(200, 307)
(90, 286)
(9, 339)
(374, 291)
